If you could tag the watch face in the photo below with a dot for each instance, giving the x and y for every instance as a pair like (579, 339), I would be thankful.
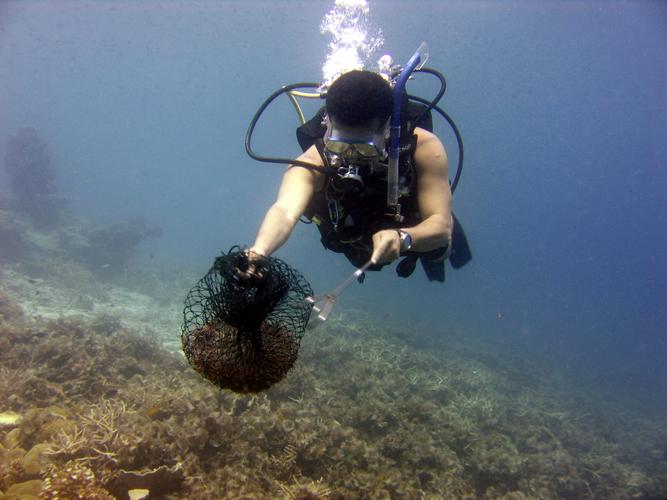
(406, 241)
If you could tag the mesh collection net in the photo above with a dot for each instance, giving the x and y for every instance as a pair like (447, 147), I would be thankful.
(244, 334)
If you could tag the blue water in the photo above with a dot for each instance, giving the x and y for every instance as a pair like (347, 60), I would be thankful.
(562, 106)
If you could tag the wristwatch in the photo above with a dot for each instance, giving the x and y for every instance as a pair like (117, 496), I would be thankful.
(406, 240)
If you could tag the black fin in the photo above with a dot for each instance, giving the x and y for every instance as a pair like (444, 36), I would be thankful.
(406, 267)
(461, 254)
(434, 269)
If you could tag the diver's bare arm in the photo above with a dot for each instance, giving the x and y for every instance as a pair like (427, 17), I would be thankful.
(434, 195)
(296, 190)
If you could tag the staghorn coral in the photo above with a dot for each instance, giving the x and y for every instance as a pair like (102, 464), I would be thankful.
(96, 436)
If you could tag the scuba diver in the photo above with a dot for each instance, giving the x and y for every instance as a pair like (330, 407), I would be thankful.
(373, 177)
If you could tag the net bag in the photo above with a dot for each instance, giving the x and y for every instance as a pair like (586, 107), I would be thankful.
(244, 334)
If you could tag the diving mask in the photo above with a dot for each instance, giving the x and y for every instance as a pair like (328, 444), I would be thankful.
(352, 144)
(353, 153)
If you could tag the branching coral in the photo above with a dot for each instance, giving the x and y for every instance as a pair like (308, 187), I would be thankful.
(283, 463)
(96, 438)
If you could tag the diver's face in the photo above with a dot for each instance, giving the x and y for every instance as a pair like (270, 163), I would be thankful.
(366, 143)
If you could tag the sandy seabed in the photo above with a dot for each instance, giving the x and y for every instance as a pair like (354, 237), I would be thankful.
(97, 400)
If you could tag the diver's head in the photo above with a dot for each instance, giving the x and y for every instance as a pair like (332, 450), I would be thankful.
(360, 99)
(358, 104)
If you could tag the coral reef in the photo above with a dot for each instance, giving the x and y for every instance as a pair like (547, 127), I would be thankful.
(12, 236)
(107, 250)
(73, 480)
(108, 413)
(32, 177)
(35, 223)
(10, 311)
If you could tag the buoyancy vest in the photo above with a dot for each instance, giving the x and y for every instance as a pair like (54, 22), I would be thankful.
(347, 221)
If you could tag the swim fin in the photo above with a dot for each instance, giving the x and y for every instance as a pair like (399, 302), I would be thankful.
(461, 253)
(434, 269)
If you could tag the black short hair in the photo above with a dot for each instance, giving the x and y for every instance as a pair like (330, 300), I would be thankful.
(360, 98)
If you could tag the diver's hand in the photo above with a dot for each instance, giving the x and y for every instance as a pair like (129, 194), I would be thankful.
(386, 246)
(254, 269)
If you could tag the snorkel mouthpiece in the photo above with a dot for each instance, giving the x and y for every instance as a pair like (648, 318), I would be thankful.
(416, 62)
